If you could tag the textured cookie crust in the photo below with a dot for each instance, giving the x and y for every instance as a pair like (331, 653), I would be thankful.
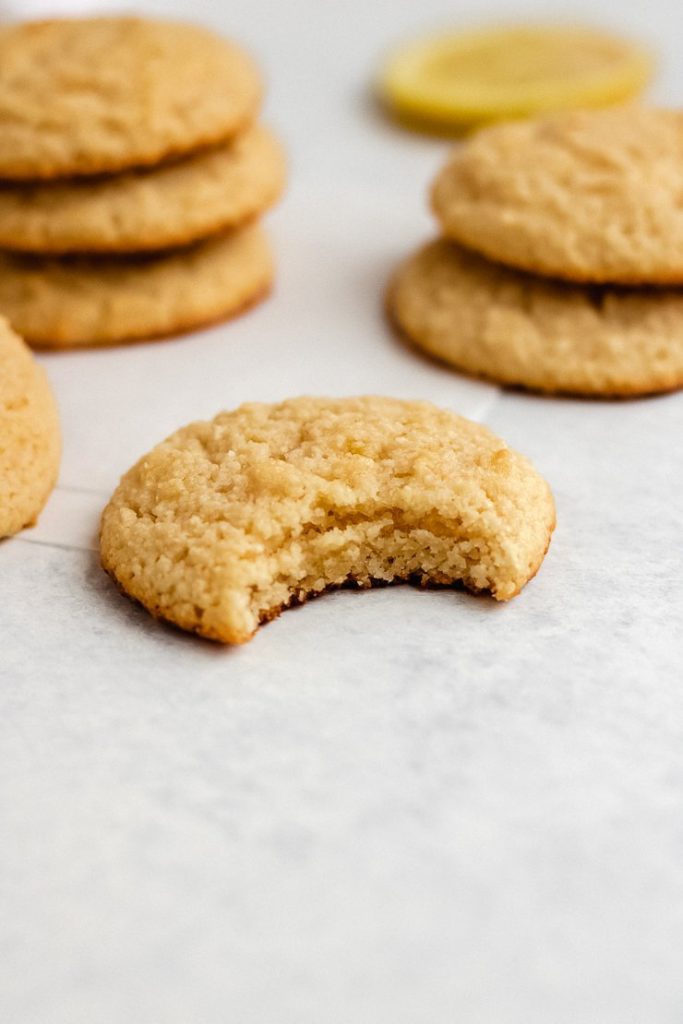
(227, 522)
(588, 196)
(84, 96)
(532, 332)
(62, 303)
(171, 205)
(29, 435)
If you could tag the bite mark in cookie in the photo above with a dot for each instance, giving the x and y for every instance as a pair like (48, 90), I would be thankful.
(229, 521)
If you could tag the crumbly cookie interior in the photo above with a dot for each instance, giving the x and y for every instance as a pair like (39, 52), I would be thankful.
(325, 550)
(384, 546)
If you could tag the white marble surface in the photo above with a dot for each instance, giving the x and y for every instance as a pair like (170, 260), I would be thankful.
(389, 808)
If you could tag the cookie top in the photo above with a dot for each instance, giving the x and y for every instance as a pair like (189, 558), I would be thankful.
(90, 95)
(588, 196)
(29, 435)
(226, 522)
(546, 335)
(170, 205)
(81, 300)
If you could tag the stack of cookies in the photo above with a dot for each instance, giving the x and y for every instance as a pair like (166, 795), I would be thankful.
(131, 175)
(561, 259)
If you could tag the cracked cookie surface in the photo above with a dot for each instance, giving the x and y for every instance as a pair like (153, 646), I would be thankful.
(588, 195)
(532, 332)
(229, 521)
(30, 442)
(170, 205)
(90, 95)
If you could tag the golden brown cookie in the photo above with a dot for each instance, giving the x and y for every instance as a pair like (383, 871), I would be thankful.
(74, 301)
(227, 522)
(89, 95)
(588, 196)
(171, 205)
(516, 329)
(29, 435)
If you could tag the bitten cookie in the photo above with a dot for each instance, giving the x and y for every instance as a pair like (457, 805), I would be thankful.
(588, 196)
(171, 205)
(227, 522)
(489, 320)
(89, 95)
(68, 302)
(29, 435)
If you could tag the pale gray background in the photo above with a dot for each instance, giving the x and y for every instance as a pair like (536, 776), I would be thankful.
(391, 808)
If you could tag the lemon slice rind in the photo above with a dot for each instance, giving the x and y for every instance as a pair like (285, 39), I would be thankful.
(480, 76)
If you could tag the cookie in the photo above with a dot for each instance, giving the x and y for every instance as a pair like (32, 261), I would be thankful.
(171, 205)
(30, 443)
(516, 329)
(227, 522)
(90, 95)
(80, 300)
(588, 196)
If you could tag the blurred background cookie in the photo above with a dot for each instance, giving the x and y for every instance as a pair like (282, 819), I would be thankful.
(516, 329)
(584, 195)
(88, 95)
(88, 300)
(173, 204)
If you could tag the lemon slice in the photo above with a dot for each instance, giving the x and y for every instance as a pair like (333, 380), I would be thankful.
(467, 78)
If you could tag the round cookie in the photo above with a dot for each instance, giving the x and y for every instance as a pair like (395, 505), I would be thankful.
(69, 302)
(588, 196)
(499, 323)
(90, 95)
(157, 208)
(29, 435)
(227, 522)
